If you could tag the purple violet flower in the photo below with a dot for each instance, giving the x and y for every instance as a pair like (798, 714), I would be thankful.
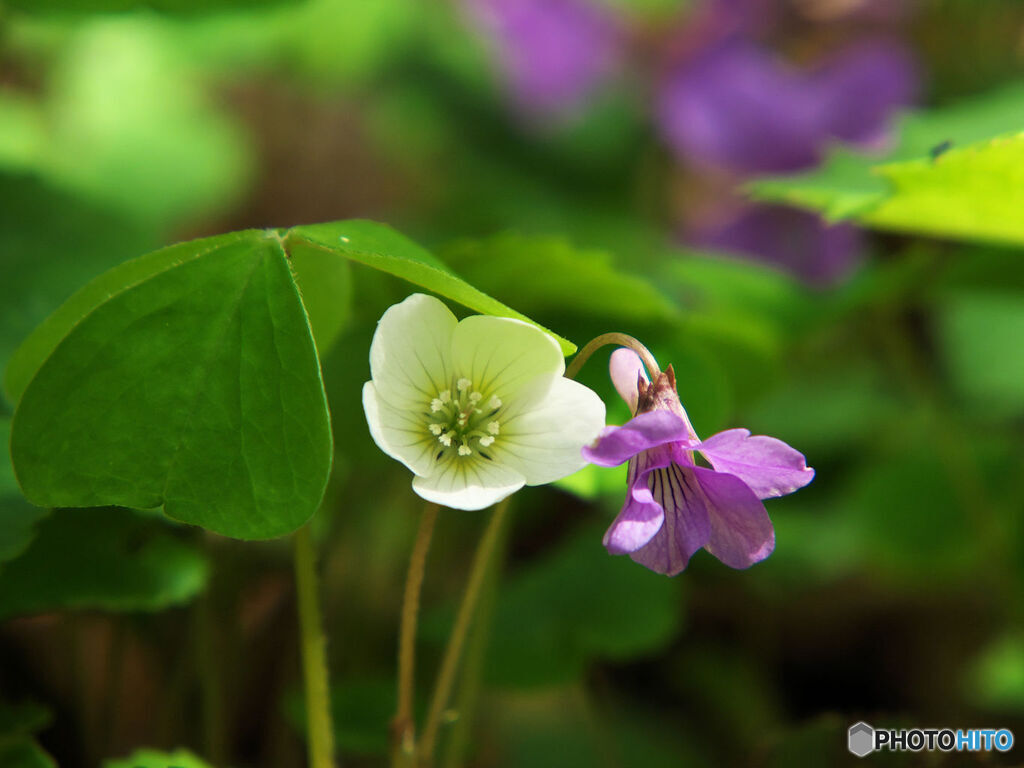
(673, 506)
(553, 53)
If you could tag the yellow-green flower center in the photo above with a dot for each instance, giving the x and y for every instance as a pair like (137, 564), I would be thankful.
(464, 420)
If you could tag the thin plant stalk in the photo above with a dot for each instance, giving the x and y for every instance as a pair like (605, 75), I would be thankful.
(320, 729)
(457, 640)
(208, 644)
(455, 746)
(403, 725)
(613, 339)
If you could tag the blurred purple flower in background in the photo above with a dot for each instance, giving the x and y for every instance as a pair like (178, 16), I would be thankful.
(734, 105)
(738, 107)
(797, 241)
(554, 54)
(674, 507)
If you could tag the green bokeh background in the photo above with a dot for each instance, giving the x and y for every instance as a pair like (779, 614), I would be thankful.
(896, 592)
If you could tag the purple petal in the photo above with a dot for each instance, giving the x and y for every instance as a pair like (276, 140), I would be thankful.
(641, 517)
(797, 241)
(686, 527)
(648, 430)
(767, 465)
(626, 370)
(739, 107)
(741, 533)
(859, 90)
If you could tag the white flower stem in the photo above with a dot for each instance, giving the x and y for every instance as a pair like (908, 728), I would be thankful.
(456, 642)
(618, 340)
(403, 725)
(319, 728)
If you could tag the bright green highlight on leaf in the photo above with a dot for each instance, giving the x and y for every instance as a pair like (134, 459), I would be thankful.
(106, 559)
(955, 172)
(188, 378)
(974, 193)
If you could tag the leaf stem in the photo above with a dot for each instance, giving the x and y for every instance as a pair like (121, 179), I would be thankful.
(456, 642)
(403, 725)
(619, 340)
(319, 727)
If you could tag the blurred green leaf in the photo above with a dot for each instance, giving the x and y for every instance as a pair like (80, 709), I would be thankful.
(23, 718)
(381, 247)
(186, 378)
(575, 605)
(542, 274)
(118, 6)
(830, 408)
(972, 268)
(46, 257)
(821, 743)
(980, 337)
(361, 710)
(952, 173)
(324, 43)
(560, 726)
(332, 41)
(22, 131)
(18, 518)
(127, 124)
(18, 748)
(151, 758)
(107, 559)
(23, 752)
(995, 678)
(906, 506)
(738, 319)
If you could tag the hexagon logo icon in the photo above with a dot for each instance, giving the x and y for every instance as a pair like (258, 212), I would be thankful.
(860, 739)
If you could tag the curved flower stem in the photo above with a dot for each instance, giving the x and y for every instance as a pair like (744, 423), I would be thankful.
(319, 727)
(619, 340)
(403, 726)
(453, 653)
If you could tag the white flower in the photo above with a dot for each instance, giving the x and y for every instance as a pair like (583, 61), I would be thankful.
(476, 409)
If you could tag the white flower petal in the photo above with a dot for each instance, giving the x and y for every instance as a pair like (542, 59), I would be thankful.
(402, 435)
(410, 356)
(502, 356)
(545, 440)
(472, 484)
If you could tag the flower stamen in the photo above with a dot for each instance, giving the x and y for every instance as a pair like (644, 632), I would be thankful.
(468, 416)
